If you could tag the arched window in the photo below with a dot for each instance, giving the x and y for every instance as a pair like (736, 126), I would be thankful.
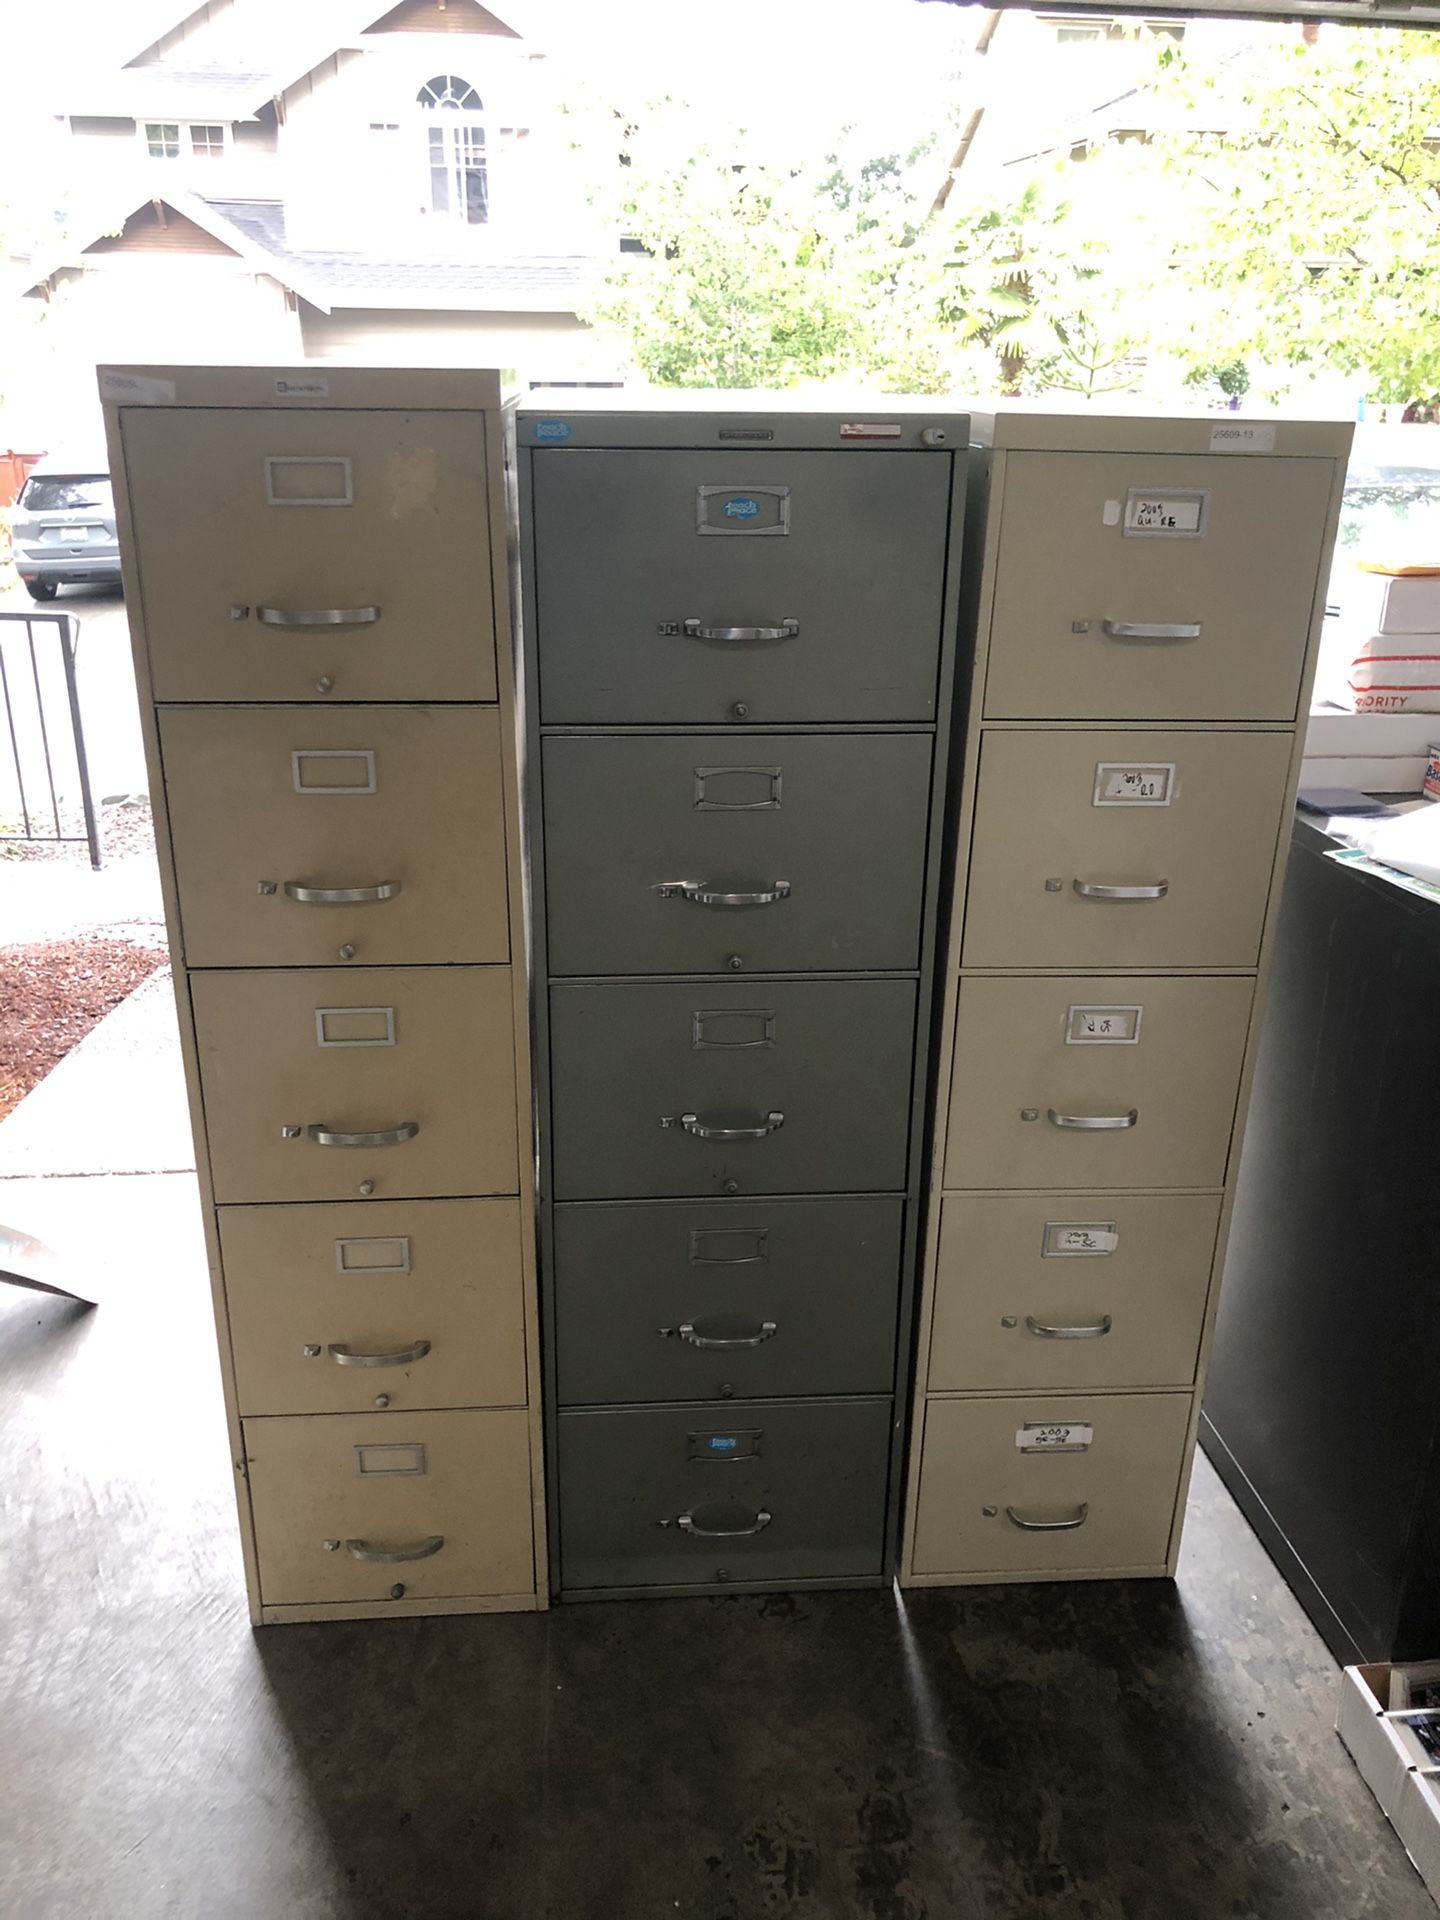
(459, 187)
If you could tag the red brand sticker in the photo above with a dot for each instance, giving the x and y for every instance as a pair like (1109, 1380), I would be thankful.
(870, 430)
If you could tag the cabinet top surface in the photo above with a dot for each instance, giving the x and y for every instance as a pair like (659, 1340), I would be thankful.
(320, 383)
(1016, 427)
(739, 420)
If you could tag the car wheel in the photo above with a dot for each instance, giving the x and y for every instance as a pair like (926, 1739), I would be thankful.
(41, 589)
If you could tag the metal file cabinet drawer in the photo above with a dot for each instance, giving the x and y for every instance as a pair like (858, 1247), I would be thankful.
(275, 811)
(761, 1086)
(418, 1302)
(723, 1299)
(352, 1506)
(813, 585)
(413, 1065)
(788, 853)
(654, 1496)
(1154, 586)
(296, 555)
(1044, 1291)
(1123, 849)
(1002, 1493)
(1095, 1081)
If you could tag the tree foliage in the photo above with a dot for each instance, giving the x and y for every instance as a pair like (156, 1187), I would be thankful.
(1309, 233)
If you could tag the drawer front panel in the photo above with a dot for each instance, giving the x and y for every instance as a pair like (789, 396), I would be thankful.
(810, 1078)
(391, 1484)
(420, 1301)
(1029, 1086)
(1242, 572)
(1123, 849)
(295, 516)
(792, 853)
(272, 809)
(431, 1048)
(1053, 1291)
(726, 1299)
(773, 1492)
(1120, 1489)
(847, 550)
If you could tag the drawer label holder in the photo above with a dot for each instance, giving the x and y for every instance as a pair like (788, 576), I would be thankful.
(1079, 1239)
(1133, 783)
(1055, 1436)
(1103, 1026)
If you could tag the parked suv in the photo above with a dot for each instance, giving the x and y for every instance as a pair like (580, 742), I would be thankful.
(62, 528)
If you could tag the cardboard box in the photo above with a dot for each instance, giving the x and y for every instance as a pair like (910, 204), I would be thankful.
(1408, 1795)
(1393, 603)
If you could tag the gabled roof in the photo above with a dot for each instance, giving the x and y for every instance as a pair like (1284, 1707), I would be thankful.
(91, 236)
(237, 86)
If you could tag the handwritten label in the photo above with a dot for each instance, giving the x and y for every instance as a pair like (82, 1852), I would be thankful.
(1079, 1239)
(1133, 783)
(1103, 1027)
(1174, 513)
(1058, 1436)
(1235, 439)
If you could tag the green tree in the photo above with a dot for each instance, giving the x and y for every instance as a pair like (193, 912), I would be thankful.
(1307, 230)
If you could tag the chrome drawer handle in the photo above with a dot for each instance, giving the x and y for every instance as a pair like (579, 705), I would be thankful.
(700, 895)
(1079, 1518)
(346, 896)
(402, 1357)
(324, 1136)
(716, 1343)
(1092, 1330)
(310, 616)
(1095, 1122)
(786, 630)
(1101, 890)
(757, 1525)
(1151, 629)
(392, 1556)
(693, 1124)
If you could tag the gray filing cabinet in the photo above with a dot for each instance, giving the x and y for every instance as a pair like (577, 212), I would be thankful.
(738, 653)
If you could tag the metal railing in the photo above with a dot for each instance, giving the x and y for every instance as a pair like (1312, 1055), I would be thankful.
(33, 734)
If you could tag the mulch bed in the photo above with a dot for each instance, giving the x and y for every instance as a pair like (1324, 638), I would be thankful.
(51, 995)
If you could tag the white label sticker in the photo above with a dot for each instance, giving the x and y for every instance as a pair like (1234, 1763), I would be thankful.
(313, 388)
(1103, 1027)
(1133, 783)
(1110, 514)
(1242, 439)
(1175, 514)
(137, 388)
(870, 430)
(1079, 1239)
(1054, 1436)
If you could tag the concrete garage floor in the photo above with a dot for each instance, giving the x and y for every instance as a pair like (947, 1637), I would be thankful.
(1096, 1752)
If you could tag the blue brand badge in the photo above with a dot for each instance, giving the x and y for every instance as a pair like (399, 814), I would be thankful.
(741, 507)
(723, 1443)
(552, 429)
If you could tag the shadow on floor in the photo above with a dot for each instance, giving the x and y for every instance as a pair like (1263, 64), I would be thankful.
(1085, 1752)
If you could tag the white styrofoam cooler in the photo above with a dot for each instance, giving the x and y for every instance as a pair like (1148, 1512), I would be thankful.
(1408, 1795)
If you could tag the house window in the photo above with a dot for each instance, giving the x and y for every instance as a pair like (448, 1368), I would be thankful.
(455, 149)
(168, 139)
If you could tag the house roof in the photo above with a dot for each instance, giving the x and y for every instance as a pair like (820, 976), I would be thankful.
(89, 235)
(454, 280)
(239, 75)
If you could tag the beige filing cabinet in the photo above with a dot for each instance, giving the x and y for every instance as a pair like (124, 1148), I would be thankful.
(317, 588)
(1146, 626)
